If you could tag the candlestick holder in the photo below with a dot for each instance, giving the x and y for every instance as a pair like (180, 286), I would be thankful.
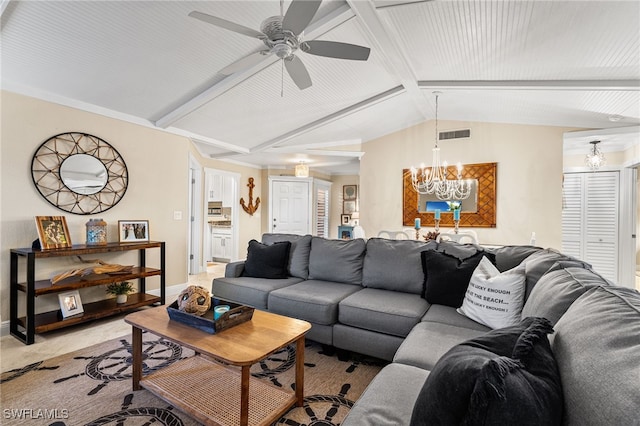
(456, 224)
(417, 233)
(437, 225)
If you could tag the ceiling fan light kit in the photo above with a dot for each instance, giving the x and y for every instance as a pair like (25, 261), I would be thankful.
(282, 35)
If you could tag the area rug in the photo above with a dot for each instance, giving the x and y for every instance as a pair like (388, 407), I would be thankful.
(92, 386)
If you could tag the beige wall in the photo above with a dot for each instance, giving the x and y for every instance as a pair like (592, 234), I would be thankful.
(529, 182)
(158, 165)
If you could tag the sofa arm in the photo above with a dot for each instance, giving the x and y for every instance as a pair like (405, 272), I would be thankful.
(234, 269)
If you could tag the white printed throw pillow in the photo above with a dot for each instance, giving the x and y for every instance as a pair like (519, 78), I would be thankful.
(494, 299)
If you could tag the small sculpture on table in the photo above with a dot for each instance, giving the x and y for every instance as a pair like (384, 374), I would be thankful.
(194, 300)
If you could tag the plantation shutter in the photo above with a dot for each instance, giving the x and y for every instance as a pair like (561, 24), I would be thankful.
(590, 219)
(322, 212)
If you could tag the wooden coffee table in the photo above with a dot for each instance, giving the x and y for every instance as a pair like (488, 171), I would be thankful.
(212, 393)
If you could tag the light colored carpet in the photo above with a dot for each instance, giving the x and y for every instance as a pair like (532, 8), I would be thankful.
(92, 386)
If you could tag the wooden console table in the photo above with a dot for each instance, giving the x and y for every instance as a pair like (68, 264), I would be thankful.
(25, 327)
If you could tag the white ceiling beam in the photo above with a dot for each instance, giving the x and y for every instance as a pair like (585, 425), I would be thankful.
(220, 144)
(588, 85)
(391, 53)
(330, 118)
(314, 30)
(319, 152)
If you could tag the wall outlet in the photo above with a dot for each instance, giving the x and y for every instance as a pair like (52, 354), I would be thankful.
(177, 215)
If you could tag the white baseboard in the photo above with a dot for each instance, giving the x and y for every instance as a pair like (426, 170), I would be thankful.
(170, 293)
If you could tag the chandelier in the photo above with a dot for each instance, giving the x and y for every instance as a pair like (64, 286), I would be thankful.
(595, 158)
(302, 170)
(434, 180)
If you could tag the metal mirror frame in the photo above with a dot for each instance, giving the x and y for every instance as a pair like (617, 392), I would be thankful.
(45, 171)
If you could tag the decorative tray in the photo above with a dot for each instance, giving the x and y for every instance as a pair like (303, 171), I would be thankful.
(237, 314)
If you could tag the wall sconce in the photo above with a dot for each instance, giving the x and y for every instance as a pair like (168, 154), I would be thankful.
(302, 170)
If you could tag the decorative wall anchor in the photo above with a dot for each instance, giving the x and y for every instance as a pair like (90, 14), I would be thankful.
(251, 209)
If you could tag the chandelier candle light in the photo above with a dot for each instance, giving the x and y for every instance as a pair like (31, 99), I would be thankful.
(434, 180)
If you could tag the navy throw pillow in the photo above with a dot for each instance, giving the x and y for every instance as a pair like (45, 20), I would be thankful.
(446, 277)
(507, 376)
(267, 261)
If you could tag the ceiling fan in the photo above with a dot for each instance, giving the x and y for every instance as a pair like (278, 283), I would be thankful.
(282, 35)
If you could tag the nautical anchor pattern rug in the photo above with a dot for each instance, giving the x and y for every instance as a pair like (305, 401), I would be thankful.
(93, 386)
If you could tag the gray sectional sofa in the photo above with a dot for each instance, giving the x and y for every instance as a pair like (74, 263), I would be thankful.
(369, 297)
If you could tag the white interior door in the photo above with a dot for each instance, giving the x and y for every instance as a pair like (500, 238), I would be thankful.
(290, 208)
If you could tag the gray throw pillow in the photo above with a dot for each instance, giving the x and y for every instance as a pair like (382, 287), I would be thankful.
(298, 265)
(557, 290)
(336, 260)
(395, 264)
(597, 348)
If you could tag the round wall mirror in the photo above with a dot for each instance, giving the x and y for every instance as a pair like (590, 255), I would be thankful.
(83, 174)
(79, 173)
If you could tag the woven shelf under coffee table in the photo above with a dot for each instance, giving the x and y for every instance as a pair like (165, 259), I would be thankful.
(213, 392)
(210, 392)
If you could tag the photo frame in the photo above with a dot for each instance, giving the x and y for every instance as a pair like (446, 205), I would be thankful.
(349, 192)
(53, 232)
(70, 303)
(348, 207)
(345, 219)
(130, 231)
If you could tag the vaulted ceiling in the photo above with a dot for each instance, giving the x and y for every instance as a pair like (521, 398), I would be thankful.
(560, 63)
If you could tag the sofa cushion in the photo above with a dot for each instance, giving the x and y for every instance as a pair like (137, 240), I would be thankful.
(264, 261)
(298, 254)
(462, 251)
(446, 277)
(494, 299)
(389, 398)
(508, 257)
(248, 291)
(597, 346)
(429, 341)
(557, 290)
(336, 260)
(384, 311)
(448, 315)
(505, 377)
(312, 300)
(384, 258)
(538, 264)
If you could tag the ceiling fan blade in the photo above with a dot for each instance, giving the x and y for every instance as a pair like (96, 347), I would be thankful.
(243, 63)
(298, 72)
(334, 49)
(227, 25)
(299, 14)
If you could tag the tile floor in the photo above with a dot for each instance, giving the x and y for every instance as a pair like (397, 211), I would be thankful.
(15, 354)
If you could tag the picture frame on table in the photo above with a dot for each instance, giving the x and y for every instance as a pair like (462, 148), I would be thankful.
(53, 232)
(130, 231)
(70, 303)
(348, 207)
(345, 219)
(349, 192)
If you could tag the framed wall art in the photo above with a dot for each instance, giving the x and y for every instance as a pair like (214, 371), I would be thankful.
(133, 231)
(70, 303)
(345, 219)
(349, 192)
(348, 207)
(53, 232)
